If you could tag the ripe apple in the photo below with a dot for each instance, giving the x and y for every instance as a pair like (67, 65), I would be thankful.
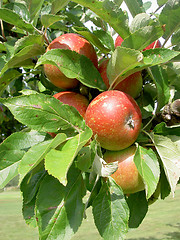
(127, 175)
(74, 99)
(155, 44)
(115, 118)
(75, 43)
(131, 85)
(118, 41)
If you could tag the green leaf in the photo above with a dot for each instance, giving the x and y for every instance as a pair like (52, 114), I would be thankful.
(2, 47)
(164, 130)
(58, 5)
(30, 184)
(28, 41)
(60, 209)
(143, 37)
(74, 65)
(148, 167)
(161, 2)
(170, 17)
(37, 153)
(105, 38)
(138, 207)
(135, 7)
(48, 19)
(160, 78)
(13, 18)
(125, 61)
(139, 21)
(84, 159)
(8, 77)
(34, 7)
(26, 53)
(111, 212)
(175, 40)
(57, 162)
(169, 155)
(28, 211)
(12, 150)
(110, 12)
(44, 113)
(20, 9)
(91, 37)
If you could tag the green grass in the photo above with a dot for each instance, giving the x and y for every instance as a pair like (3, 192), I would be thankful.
(162, 221)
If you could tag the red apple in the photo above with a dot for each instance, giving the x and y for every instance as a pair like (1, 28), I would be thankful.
(118, 41)
(74, 99)
(131, 85)
(75, 43)
(155, 44)
(127, 175)
(115, 118)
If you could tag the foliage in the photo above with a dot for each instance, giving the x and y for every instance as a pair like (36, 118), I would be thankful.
(57, 175)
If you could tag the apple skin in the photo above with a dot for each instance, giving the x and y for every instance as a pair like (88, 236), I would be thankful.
(118, 41)
(75, 43)
(127, 175)
(74, 99)
(115, 118)
(131, 85)
(155, 44)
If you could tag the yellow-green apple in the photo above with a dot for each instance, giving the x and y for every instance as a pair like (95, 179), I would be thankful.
(75, 43)
(131, 85)
(74, 99)
(115, 119)
(127, 175)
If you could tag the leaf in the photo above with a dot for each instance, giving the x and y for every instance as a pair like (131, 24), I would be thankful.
(12, 150)
(110, 12)
(84, 159)
(175, 40)
(111, 212)
(27, 41)
(34, 7)
(26, 53)
(57, 162)
(169, 155)
(8, 77)
(125, 61)
(135, 7)
(13, 18)
(161, 2)
(160, 78)
(60, 209)
(37, 153)
(48, 19)
(74, 65)
(28, 211)
(2, 47)
(139, 21)
(44, 113)
(91, 37)
(138, 207)
(143, 37)
(30, 184)
(20, 9)
(148, 167)
(169, 17)
(164, 130)
(105, 38)
(58, 5)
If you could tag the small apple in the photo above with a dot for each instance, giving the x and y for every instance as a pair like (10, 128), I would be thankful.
(74, 99)
(131, 85)
(115, 118)
(118, 41)
(127, 175)
(155, 44)
(75, 43)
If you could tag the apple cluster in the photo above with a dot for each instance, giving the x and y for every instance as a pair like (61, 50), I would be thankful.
(113, 115)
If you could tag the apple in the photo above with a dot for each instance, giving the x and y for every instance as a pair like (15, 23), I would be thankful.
(75, 43)
(155, 44)
(131, 85)
(74, 99)
(115, 119)
(118, 41)
(127, 175)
